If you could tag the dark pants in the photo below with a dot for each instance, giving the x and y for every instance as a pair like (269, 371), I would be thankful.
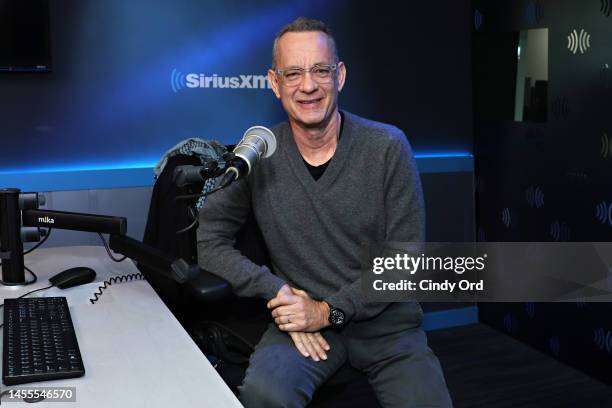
(390, 348)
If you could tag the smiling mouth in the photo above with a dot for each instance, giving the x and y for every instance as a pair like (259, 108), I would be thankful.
(310, 102)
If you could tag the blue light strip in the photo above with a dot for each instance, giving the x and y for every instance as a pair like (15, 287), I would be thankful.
(69, 180)
(431, 155)
(445, 162)
(76, 169)
(139, 174)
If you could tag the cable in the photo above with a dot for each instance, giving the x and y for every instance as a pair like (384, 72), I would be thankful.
(34, 279)
(193, 213)
(26, 294)
(115, 279)
(187, 228)
(108, 251)
(40, 243)
(30, 292)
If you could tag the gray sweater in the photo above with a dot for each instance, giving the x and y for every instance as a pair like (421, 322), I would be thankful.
(317, 231)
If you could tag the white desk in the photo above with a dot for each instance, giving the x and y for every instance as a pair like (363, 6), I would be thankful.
(136, 354)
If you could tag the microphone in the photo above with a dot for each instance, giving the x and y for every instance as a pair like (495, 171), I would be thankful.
(257, 142)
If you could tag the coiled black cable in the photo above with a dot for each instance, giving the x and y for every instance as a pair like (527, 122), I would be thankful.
(115, 279)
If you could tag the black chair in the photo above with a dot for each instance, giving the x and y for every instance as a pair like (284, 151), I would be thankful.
(206, 307)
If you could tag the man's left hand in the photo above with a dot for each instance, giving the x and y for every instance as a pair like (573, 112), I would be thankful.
(299, 312)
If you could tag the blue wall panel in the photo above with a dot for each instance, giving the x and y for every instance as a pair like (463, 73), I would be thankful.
(117, 96)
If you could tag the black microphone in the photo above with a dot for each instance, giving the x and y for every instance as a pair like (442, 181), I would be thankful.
(257, 142)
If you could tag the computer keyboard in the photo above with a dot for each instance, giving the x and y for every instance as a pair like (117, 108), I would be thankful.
(39, 341)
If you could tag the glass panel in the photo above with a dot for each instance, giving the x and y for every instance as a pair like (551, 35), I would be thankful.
(531, 76)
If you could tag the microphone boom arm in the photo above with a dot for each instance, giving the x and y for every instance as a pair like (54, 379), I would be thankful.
(12, 218)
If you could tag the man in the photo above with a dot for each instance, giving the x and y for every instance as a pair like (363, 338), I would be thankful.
(336, 184)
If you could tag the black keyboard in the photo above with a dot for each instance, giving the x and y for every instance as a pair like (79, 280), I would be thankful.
(39, 341)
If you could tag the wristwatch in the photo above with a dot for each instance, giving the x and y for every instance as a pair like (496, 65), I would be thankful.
(337, 318)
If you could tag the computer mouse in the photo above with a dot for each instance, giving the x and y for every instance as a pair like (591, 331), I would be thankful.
(73, 277)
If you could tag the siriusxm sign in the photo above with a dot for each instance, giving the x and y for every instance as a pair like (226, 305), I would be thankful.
(179, 81)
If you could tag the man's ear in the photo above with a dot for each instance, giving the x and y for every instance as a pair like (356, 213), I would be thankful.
(341, 75)
(273, 80)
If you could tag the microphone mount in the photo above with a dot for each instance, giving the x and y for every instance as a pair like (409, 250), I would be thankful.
(20, 210)
(190, 174)
(257, 143)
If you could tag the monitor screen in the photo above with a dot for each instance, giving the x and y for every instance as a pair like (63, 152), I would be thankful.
(24, 36)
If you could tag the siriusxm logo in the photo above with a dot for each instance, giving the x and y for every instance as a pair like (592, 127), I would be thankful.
(46, 220)
(179, 81)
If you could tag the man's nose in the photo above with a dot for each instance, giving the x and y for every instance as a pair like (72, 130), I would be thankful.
(308, 84)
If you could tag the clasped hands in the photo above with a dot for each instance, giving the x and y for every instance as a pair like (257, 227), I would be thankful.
(296, 313)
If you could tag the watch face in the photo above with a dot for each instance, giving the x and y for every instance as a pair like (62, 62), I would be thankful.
(336, 317)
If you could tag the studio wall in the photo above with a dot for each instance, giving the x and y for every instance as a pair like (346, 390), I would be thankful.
(130, 79)
(119, 93)
(547, 181)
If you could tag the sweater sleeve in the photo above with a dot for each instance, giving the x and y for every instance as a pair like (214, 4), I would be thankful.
(404, 213)
(220, 220)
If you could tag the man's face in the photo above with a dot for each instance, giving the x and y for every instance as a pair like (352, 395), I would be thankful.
(309, 103)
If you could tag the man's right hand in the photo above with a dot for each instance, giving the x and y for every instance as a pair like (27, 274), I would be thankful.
(311, 345)
(294, 310)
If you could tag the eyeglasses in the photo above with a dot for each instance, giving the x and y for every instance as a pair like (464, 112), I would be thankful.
(321, 73)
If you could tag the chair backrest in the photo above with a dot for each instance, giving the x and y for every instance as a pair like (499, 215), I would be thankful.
(167, 215)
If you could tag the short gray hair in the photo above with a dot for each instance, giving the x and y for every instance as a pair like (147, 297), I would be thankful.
(304, 24)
